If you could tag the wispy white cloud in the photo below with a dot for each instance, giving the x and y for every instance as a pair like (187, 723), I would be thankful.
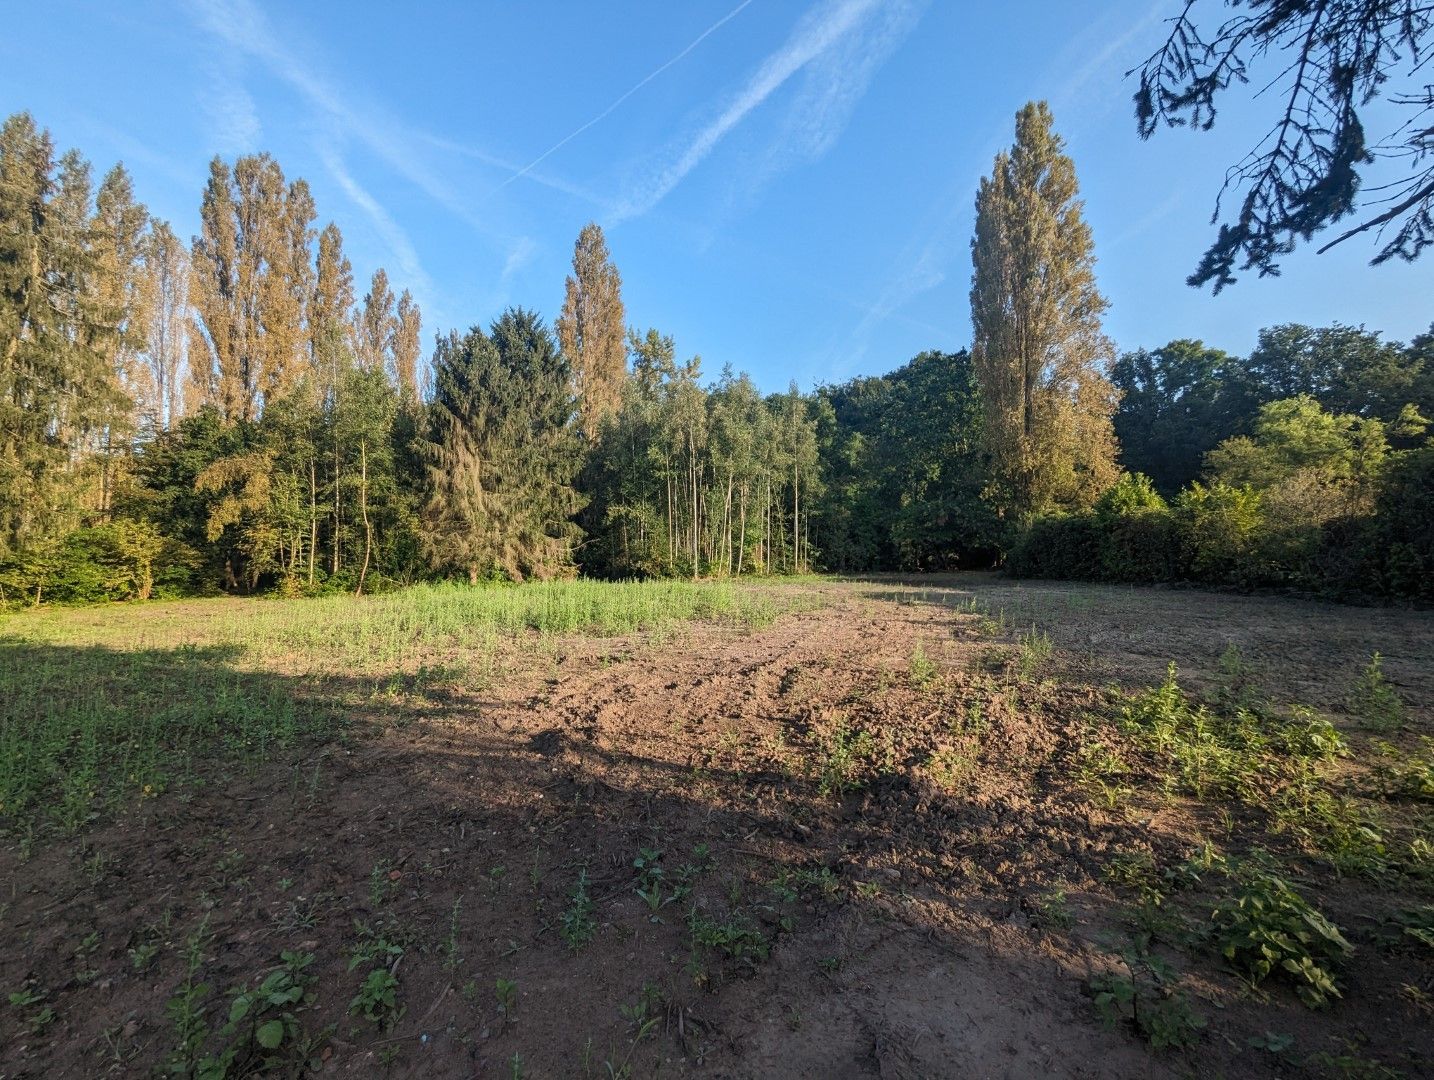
(565, 187)
(526, 169)
(860, 32)
(924, 264)
(937, 245)
(519, 256)
(245, 28)
(233, 119)
(1147, 221)
(394, 236)
(1104, 66)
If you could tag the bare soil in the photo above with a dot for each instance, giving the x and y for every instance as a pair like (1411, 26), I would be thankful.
(891, 925)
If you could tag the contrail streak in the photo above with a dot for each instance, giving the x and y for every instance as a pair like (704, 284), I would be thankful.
(608, 111)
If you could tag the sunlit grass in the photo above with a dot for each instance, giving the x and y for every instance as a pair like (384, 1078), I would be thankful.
(101, 703)
(374, 632)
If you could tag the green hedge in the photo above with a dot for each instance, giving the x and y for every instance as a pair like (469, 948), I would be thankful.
(1220, 535)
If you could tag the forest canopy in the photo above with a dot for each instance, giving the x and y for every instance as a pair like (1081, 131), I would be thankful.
(230, 415)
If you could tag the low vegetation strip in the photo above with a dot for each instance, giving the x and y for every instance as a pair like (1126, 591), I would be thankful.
(101, 706)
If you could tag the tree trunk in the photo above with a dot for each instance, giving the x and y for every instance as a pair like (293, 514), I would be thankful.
(742, 541)
(313, 516)
(363, 509)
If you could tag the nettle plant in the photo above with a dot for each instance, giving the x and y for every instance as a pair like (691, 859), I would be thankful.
(1267, 928)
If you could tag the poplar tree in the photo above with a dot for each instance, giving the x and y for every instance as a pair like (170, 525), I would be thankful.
(333, 298)
(1038, 348)
(407, 347)
(374, 325)
(592, 330)
(166, 288)
(251, 281)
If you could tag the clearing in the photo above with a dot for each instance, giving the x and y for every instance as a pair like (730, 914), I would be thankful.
(953, 827)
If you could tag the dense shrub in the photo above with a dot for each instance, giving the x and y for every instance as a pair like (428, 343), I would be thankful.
(1219, 533)
(1057, 547)
(1237, 537)
(1138, 539)
(1130, 536)
(1403, 532)
(120, 560)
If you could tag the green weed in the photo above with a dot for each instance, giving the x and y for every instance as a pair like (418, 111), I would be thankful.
(922, 671)
(842, 755)
(1267, 929)
(578, 927)
(377, 999)
(1033, 649)
(1147, 998)
(1374, 700)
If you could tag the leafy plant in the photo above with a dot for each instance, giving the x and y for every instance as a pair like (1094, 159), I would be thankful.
(1418, 924)
(734, 937)
(1408, 776)
(1242, 754)
(841, 758)
(577, 926)
(1269, 929)
(377, 999)
(651, 878)
(1374, 700)
(922, 671)
(1034, 648)
(185, 1007)
(1147, 998)
(450, 945)
(1051, 909)
(952, 767)
(374, 947)
(1237, 688)
(506, 991)
(42, 1017)
(1100, 771)
(263, 1023)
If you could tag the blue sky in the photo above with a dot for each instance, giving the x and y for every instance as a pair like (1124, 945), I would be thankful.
(787, 185)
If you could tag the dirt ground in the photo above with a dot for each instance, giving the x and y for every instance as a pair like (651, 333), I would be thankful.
(870, 873)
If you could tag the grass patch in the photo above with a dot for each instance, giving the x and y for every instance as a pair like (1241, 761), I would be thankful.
(107, 704)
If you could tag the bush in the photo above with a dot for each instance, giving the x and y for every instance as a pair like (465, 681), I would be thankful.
(1404, 527)
(1220, 532)
(1307, 533)
(1132, 495)
(1269, 929)
(1143, 548)
(121, 560)
(1057, 547)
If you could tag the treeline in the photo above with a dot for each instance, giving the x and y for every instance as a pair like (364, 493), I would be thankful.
(184, 417)
(1305, 464)
(227, 415)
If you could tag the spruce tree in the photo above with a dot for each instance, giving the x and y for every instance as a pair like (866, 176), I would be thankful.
(502, 454)
(1038, 348)
(56, 388)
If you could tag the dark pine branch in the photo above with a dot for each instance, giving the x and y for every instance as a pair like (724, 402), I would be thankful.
(1307, 172)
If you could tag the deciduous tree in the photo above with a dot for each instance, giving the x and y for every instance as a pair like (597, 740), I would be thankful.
(592, 330)
(1038, 348)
